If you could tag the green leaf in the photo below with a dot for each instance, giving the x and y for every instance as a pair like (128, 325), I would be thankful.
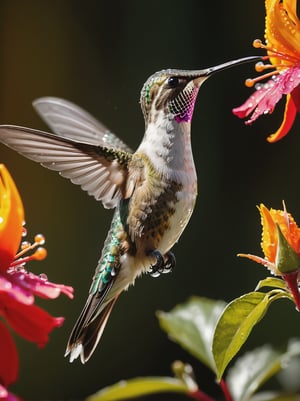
(271, 282)
(251, 370)
(275, 396)
(254, 368)
(235, 325)
(192, 326)
(139, 387)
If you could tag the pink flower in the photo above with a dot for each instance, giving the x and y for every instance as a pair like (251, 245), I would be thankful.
(282, 33)
(18, 287)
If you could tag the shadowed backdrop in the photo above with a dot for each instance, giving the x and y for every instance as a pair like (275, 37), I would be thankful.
(98, 54)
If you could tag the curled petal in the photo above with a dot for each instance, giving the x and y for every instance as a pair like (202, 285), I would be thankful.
(290, 112)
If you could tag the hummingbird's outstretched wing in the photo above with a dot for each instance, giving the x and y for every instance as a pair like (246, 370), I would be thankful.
(100, 171)
(68, 120)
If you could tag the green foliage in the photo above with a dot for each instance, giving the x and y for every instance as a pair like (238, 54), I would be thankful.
(127, 389)
(238, 320)
(214, 332)
(192, 325)
(253, 369)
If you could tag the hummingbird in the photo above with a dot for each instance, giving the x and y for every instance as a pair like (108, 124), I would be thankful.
(153, 189)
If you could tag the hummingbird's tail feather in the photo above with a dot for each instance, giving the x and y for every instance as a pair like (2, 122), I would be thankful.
(88, 329)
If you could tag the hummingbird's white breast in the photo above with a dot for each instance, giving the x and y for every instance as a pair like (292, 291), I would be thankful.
(167, 146)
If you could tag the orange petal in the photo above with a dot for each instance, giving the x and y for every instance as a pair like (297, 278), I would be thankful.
(282, 30)
(288, 227)
(290, 112)
(269, 234)
(11, 218)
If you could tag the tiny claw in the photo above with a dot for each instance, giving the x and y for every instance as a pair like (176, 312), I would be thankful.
(170, 262)
(156, 269)
(162, 265)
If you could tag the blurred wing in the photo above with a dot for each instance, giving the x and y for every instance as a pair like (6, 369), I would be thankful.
(102, 172)
(70, 121)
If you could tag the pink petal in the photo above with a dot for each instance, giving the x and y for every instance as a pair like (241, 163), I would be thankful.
(7, 396)
(265, 98)
(8, 286)
(3, 393)
(40, 286)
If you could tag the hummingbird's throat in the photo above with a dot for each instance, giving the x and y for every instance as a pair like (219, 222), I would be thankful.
(182, 106)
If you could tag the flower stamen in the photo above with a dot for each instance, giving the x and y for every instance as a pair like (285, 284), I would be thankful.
(258, 44)
(284, 61)
(250, 82)
(39, 254)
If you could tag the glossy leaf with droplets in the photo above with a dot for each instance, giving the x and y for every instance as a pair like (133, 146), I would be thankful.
(192, 326)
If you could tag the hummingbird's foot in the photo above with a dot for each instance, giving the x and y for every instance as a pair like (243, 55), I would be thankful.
(162, 265)
(170, 262)
(157, 268)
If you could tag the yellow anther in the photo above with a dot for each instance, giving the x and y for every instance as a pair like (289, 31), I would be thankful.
(260, 66)
(249, 82)
(25, 245)
(257, 43)
(40, 254)
(39, 239)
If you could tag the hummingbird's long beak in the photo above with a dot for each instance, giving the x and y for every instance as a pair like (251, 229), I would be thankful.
(202, 75)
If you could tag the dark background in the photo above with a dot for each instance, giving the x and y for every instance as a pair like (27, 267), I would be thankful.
(98, 54)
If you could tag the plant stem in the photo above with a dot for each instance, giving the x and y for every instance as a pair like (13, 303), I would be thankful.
(225, 390)
(292, 281)
(199, 395)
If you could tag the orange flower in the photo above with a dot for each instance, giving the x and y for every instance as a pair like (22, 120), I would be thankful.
(11, 218)
(280, 241)
(282, 34)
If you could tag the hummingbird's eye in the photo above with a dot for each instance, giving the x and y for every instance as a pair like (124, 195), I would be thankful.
(173, 82)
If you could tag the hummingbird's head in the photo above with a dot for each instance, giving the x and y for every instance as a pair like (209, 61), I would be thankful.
(175, 91)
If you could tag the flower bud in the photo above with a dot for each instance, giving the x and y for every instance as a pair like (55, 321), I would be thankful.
(287, 260)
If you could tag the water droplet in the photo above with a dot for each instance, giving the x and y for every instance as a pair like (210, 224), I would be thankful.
(43, 276)
(39, 239)
(25, 245)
